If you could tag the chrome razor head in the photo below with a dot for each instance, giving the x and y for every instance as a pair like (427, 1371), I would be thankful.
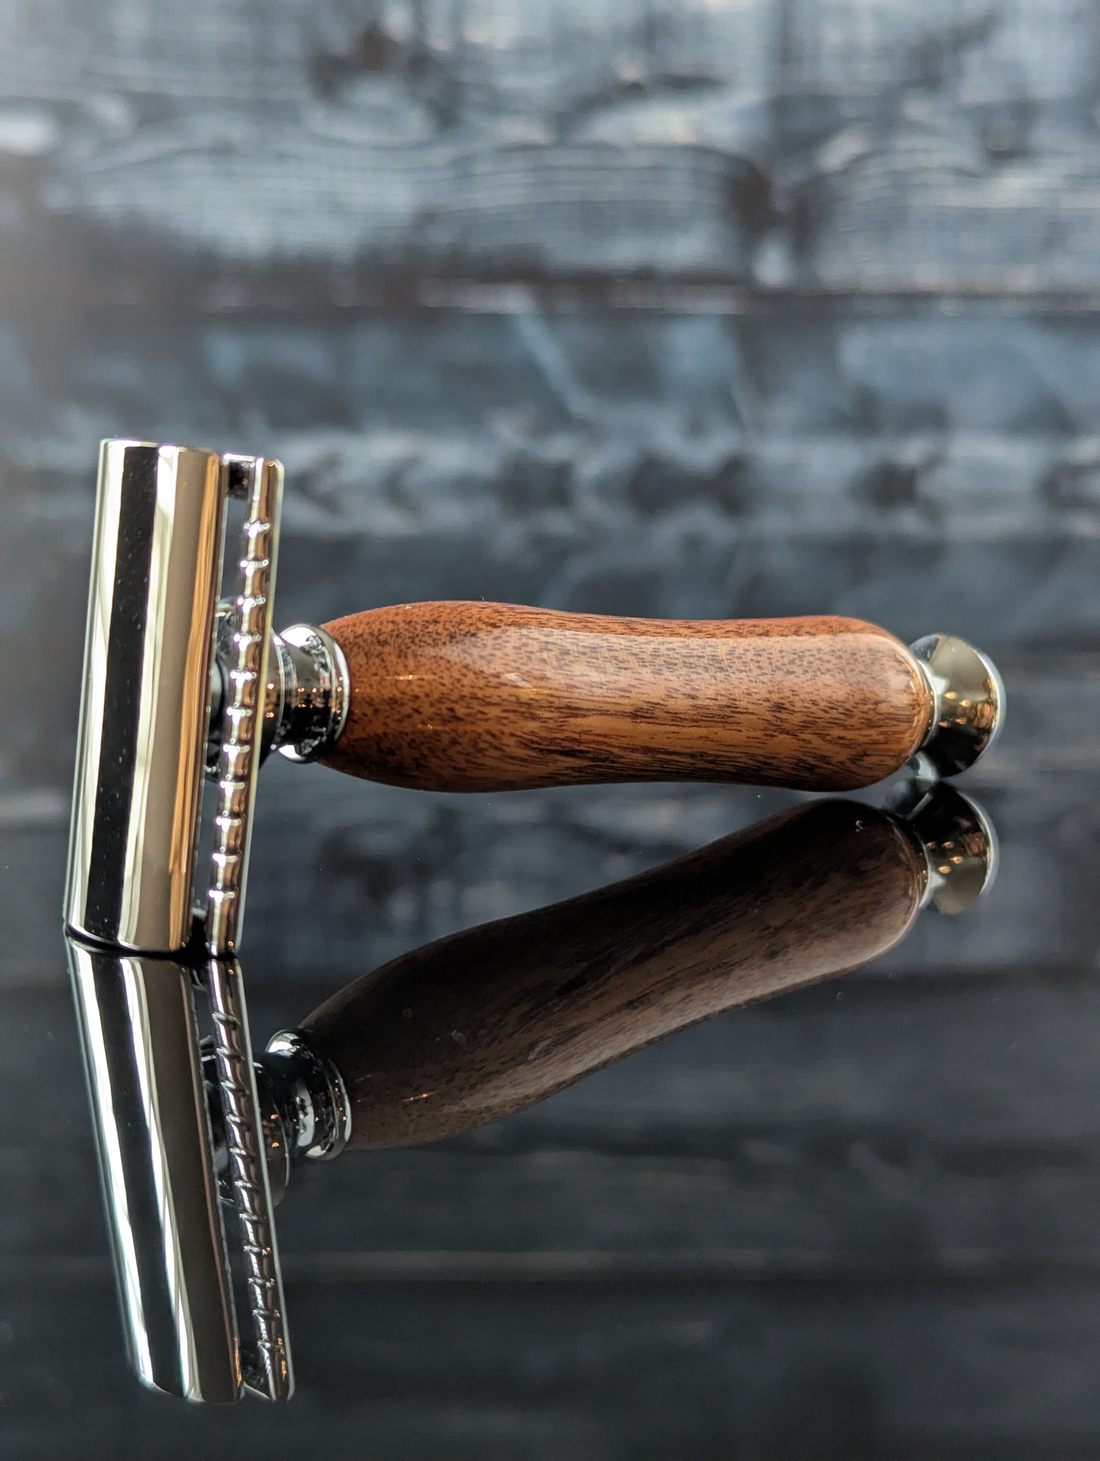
(178, 685)
(156, 573)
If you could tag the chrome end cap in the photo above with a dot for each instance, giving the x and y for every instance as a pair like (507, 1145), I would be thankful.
(968, 703)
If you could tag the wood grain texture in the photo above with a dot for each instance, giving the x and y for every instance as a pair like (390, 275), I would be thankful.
(497, 697)
(490, 1021)
(778, 142)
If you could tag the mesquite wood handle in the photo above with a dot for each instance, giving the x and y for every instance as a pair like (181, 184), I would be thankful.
(486, 1022)
(495, 697)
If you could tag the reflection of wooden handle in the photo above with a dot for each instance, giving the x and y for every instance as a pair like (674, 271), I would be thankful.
(489, 1021)
(491, 697)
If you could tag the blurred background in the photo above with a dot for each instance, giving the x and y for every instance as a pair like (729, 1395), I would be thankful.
(694, 308)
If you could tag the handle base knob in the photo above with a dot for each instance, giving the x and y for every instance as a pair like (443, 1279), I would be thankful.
(968, 700)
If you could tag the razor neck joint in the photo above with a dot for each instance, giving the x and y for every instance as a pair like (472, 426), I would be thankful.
(305, 698)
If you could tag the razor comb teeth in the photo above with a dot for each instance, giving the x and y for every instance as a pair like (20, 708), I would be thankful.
(259, 482)
(265, 1358)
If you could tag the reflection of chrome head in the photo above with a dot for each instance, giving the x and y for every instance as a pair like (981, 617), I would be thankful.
(170, 1233)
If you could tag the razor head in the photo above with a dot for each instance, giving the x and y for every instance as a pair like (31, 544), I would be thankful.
(173, 1220)
(156, 574)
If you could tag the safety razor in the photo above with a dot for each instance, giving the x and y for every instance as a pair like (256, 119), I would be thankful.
(184, 684)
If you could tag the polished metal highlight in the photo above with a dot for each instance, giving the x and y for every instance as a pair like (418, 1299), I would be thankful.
(968, 702)
(306, 692)
(140, 1037)
(311, 1097)
(303, 1107)
(176, 686)
(957, 840)
(260, 482)
(156, 563)
(313, 694)
(265, 1356)
(159, 1149)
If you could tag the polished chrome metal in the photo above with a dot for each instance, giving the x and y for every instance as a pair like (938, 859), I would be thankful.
(260, 482)
(153, 684)
(968, 702)
(156, 562)
(958, 842)
(220, 657)
(310, 1094)
(313, 697)
(271, 1122)
(265, 1356)
(303, 1107)
(163, 1132)
(305, 695)
(276, 1139)
(141, 1048)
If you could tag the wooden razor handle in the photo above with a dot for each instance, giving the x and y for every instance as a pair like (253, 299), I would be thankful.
(487, 1022)
(495, 697)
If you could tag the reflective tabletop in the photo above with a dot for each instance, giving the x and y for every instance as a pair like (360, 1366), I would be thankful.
(826, 1215)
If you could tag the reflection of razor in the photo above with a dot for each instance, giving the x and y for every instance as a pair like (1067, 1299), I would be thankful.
(448, 696)
(457, 1034)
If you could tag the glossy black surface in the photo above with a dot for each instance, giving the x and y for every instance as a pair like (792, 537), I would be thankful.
(830, 1227)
